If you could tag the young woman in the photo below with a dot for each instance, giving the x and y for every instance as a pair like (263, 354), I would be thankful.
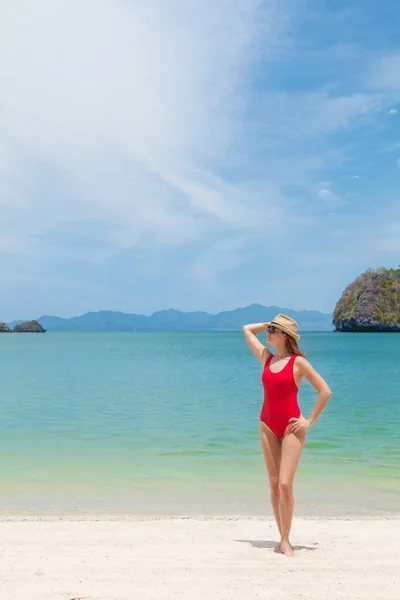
(283, 427)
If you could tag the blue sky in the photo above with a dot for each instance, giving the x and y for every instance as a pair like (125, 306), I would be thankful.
(195, 155)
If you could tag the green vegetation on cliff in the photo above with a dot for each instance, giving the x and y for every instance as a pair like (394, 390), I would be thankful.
(370, 303)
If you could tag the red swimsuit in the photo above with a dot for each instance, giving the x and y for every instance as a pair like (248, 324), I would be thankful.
(280, 397)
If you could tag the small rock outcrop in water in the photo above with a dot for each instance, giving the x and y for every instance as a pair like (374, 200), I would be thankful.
(4, 328)
(370, 303)
(29, 327)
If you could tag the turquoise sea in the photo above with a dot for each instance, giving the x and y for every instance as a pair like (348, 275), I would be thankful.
(167, 423)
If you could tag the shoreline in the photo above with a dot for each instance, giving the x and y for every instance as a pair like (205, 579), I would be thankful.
(201, 518)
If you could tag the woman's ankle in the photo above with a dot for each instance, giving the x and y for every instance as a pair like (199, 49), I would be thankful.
(285, 539)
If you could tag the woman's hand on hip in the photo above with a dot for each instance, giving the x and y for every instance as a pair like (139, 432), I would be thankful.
(296, 425)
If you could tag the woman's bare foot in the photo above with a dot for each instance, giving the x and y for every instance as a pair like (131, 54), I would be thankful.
(277, 547)
(286, 549)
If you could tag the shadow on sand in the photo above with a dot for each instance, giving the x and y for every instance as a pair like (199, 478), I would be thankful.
(269, 544)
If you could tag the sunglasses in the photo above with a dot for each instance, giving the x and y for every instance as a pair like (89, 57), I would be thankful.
(272, 329)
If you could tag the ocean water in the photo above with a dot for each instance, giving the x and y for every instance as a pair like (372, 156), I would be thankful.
(168, 423)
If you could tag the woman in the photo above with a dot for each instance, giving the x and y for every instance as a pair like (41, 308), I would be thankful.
(283, 427)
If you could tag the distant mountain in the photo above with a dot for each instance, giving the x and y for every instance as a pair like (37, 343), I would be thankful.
(14, 323)
(175, 320)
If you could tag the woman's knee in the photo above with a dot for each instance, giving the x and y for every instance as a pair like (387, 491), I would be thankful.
(285, 487)
(274, 485)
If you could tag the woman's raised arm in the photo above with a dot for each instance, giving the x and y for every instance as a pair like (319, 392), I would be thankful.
(250, 334)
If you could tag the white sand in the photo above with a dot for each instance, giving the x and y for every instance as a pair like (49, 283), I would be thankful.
(165, 559)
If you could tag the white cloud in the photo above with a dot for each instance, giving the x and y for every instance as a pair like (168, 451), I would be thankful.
(325, 194)
(312, 114)
(147, 124)
(355, 177)
(125, 105)
(392, 111)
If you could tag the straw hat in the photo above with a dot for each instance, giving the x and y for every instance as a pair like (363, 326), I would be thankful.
(285, 324)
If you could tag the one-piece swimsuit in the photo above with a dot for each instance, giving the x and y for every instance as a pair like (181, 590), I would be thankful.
(280, 397)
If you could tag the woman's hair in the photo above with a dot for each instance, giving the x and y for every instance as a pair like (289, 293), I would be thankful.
(292, 346)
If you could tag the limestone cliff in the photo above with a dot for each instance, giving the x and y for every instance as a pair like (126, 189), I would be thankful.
(29, 327)
(370, 303)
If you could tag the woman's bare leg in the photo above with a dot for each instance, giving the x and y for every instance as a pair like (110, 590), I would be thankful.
(292, 447)
(271, 446)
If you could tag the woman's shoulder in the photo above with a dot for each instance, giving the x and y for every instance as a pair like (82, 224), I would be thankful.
(301, 362)
(266, 356)
(300, 358)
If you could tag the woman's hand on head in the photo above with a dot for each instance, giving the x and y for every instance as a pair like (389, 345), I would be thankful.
(296, 425)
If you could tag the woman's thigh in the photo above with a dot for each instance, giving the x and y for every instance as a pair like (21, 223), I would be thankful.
(292, 447)
(271, 446)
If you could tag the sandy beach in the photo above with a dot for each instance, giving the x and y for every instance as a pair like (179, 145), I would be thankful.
(205, 558)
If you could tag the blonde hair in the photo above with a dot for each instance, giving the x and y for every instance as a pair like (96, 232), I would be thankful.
(292, 346)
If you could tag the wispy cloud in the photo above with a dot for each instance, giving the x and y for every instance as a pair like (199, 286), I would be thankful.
(325, 194)
(126, 111)
(315, 113)
(328, 195)
(131, 129)
(387, 72)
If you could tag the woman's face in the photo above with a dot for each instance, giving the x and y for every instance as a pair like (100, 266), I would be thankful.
(274, 335)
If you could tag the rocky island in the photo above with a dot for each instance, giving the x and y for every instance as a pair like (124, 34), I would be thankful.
(370, 303)
(4, 328)
(29, 327)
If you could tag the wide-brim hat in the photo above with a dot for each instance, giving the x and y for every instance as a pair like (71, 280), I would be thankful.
(285, 324)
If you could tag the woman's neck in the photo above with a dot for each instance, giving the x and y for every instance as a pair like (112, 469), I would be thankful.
(281, 352)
